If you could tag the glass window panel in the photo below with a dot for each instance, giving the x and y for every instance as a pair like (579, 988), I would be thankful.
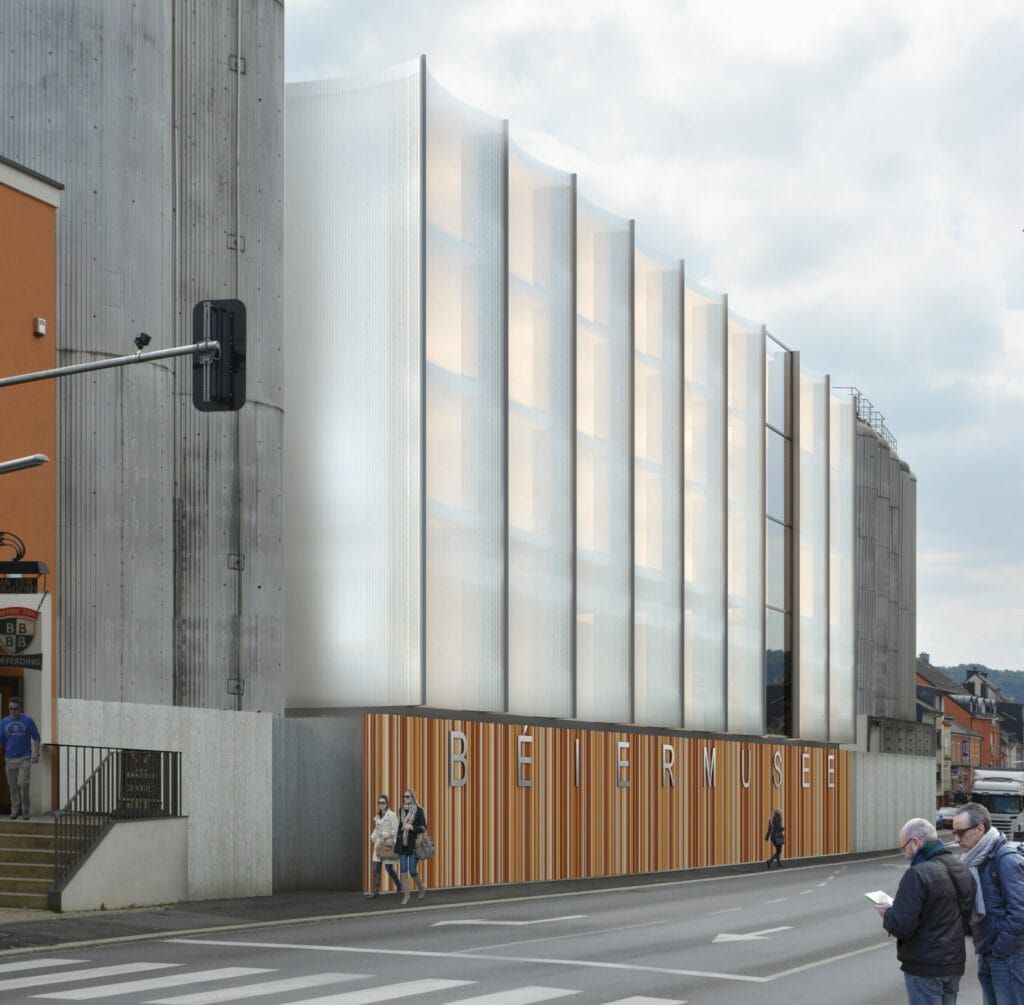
(540, 610)
(703, 510)
(745, 550)
(604, 566)
(776, 478)
(813, 600)
(776, 377)
(352, 395)
(778, 674)
(776, 579)
(464, 412)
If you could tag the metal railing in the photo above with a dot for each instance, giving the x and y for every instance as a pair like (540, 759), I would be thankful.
(871, 416)
(98, 786)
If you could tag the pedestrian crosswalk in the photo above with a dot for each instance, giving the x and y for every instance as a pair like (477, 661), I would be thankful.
(157, 983)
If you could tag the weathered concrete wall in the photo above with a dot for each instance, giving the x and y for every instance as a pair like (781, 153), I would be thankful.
(318, 827)
(169, 529)
(120, 872)
(886, 791)
(227, 779)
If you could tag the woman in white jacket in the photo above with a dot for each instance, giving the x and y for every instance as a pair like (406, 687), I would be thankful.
(385, 830)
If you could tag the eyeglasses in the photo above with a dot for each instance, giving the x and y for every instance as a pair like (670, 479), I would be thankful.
(382, 802)
(407, 796)
(961, 831)
(903, 847)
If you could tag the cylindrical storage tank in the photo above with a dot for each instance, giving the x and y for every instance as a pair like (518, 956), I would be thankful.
(164, 122)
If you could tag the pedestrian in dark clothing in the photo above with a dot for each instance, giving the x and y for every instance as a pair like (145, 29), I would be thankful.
(412, 822)
(998, 919)
(776, 833)
(930, 916)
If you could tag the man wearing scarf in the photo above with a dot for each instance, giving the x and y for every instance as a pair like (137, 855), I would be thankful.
(998, 921)
(930, 916)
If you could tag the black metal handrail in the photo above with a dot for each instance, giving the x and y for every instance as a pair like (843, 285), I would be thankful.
(98, 786)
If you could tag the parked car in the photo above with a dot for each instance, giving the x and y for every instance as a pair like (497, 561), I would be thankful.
(946, 814)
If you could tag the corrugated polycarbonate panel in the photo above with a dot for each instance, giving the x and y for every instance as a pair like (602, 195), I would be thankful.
(745, 543)
(352, 377)
(812, 603)
(657, 649)
(541, 429)
(704, 510)
(841, 685)
(464, 411)
(604, 563)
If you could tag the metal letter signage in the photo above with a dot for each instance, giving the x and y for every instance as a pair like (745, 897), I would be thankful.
(19, 643)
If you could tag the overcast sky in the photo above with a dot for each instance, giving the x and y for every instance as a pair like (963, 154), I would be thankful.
(851, 174)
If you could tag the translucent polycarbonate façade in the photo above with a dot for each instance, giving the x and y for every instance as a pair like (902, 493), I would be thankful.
(541, 429)
(812, 601)
(657, 649)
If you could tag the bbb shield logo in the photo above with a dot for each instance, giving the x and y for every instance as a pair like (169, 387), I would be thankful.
(17, 630)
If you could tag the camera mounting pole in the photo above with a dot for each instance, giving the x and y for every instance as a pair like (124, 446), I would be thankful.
(210, 348)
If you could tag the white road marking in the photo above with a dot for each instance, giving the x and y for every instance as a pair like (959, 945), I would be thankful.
(828, 959)
(155, 983)
(764, 933)
(421, 953)
(248, 991)
(777, 900)
(803, 893)
(481, 921)
(38, 964)
(384, 993)
(640, 1000)
(518, 996)
(12, 984)
(727, 910)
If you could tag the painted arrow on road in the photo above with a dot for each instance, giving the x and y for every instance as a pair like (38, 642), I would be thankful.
(481, 921)
(763, 934)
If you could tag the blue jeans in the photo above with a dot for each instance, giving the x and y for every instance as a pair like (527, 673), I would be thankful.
(391, 873)
(1001, 979)
(408, 864)
(931, 990)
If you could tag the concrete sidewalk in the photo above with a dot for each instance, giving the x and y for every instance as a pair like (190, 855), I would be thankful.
(27, 930)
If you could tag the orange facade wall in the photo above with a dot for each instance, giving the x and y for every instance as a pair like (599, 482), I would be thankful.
(988, 728)
(28, 412)
(588, 815)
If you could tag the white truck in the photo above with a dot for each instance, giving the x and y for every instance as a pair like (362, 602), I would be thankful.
(1001, 792)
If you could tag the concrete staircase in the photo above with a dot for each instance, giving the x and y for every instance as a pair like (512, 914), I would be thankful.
(26, 862)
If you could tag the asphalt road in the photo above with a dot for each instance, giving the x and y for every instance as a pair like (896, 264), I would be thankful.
(799, 934)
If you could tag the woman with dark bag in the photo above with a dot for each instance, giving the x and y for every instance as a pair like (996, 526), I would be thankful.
(777, 834)
(384, 836)
(413, 821)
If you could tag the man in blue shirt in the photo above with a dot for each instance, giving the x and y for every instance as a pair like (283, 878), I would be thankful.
(19, 738)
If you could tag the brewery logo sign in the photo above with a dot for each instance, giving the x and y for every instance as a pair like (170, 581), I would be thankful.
(20, 644)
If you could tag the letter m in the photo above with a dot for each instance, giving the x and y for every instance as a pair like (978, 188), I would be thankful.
(709, 767)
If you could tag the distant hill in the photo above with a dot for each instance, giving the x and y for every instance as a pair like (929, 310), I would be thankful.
(1010, 681)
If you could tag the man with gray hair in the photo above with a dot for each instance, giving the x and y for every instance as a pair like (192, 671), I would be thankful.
(930, 915)
(999, 908)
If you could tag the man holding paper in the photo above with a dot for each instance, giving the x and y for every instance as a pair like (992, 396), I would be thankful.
(930, 915)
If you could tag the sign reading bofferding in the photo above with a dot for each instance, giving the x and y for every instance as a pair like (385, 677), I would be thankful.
(515, 804)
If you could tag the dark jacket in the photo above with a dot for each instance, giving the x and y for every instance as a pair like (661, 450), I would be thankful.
(776, 831)
(931, 913)
(406, 843)
(1001, 931)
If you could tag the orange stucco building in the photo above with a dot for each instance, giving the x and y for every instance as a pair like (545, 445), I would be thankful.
(28, 421)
